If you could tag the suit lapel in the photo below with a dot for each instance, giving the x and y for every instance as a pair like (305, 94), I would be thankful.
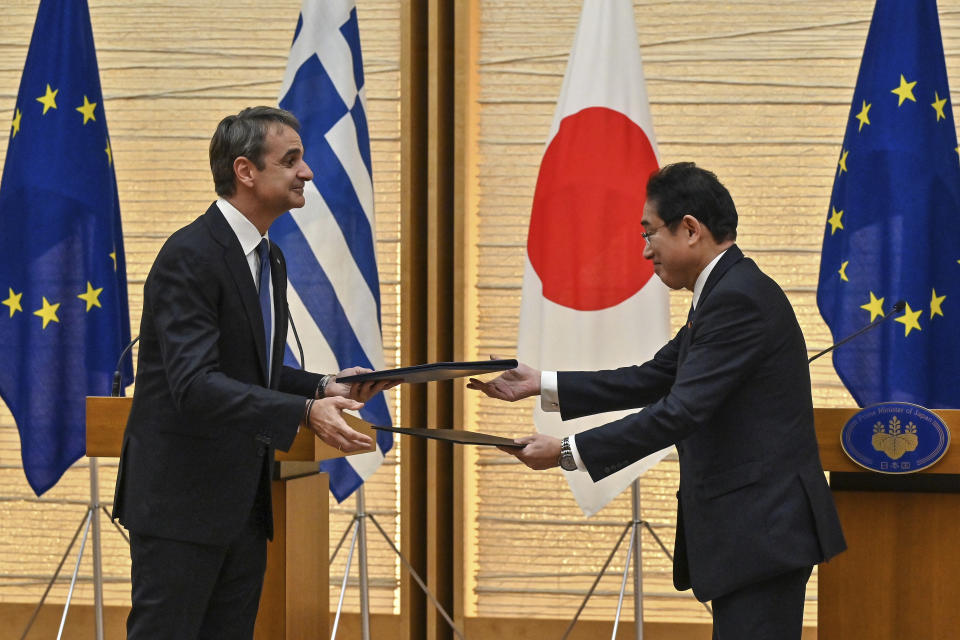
(730, 258)
(239, 270)
(278, 274)
(685, 337)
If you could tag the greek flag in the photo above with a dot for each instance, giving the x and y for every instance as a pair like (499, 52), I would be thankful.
(334, 290)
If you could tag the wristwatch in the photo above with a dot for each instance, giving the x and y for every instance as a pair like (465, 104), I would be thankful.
(566, 461)
(321, 391)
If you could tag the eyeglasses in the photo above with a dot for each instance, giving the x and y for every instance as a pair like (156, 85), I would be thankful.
(647, 234)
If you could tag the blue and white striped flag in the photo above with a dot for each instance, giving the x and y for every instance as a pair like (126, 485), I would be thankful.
(334, 290)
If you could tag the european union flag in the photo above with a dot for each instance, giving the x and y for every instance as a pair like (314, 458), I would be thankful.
(62, 276)
(893, 227)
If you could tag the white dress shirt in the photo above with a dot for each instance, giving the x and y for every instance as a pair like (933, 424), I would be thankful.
(249, 237)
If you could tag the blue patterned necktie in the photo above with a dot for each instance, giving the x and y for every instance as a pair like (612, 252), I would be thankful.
(266, 305)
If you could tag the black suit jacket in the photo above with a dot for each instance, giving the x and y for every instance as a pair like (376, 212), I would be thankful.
(732, 391)
(198, 447)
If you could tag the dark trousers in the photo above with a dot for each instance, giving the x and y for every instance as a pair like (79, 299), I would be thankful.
(187, 591)
(768, 610)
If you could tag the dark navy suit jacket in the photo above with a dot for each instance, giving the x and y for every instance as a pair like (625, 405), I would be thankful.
(198, 448)
(732, 391)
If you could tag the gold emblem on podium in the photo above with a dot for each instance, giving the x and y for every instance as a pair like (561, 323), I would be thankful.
(893, 439)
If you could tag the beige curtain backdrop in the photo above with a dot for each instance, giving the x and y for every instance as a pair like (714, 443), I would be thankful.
(757, 91)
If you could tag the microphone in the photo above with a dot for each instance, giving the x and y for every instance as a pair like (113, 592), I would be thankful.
(115, 391)
(897, 307)
(303, 365)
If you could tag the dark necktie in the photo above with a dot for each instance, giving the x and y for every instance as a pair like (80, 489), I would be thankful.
(266, 305)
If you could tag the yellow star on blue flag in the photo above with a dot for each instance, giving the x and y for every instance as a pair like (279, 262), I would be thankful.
(60, 216)
(900, 199)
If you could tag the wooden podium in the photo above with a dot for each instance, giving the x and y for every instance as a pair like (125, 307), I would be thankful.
(900, 575)
(294, 604)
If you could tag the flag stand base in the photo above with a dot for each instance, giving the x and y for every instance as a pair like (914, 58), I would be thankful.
(90, 522)
(634, 527)
(358, 526)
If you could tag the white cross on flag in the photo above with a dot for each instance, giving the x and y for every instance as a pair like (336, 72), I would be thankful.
(334, 287)
(590, 300)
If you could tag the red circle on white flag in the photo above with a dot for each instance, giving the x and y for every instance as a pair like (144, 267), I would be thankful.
(584, 241)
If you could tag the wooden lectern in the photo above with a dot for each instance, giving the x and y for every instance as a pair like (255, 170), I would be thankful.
(295, 600)
(900, 575)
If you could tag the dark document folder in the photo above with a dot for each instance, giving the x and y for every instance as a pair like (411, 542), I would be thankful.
(447, 435)
(456, 436)
(434, 371)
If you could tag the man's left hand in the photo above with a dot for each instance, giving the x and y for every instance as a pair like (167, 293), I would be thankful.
(540, 451)
(359, 391)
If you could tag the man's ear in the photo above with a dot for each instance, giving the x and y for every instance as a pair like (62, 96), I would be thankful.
(243, 170)
(692, 227)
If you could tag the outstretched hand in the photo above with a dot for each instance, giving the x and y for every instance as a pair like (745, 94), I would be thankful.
(512, 385)
(540, 451)
(359, 391)
(326, 420)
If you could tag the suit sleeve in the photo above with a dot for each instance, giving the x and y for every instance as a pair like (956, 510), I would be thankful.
(727, 343)
(185, 298)
(584, 393)
(298, 382)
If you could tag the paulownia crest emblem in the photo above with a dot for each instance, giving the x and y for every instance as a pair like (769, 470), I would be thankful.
(893, 438)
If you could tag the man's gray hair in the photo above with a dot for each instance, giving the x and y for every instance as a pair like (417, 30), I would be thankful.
(243, 135)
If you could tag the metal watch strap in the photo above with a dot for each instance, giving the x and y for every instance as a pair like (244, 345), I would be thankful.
(322, 386)
(566, 455)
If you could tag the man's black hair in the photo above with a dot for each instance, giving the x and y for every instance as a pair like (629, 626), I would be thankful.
(684, 188)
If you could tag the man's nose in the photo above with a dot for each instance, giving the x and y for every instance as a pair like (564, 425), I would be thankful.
(305, 172)
(647, 251)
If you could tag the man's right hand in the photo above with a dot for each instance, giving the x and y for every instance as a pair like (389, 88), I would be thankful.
(326, 420)
(512, 385)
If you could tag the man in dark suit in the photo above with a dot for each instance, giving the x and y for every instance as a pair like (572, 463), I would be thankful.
(213, 398)
(732, 391)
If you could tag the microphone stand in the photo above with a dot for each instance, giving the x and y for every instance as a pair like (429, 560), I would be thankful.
(117, 378)
(899, 306)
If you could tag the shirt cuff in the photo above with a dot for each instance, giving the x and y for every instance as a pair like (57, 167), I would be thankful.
(549, 394)
(576, 454)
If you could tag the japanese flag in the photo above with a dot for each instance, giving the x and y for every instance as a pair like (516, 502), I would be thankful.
(590, 299)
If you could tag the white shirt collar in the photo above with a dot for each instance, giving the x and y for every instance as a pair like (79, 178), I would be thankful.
(246, 231)
(702, 278)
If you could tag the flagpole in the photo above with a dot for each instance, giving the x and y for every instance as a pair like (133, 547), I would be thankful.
(633, 528)
(97, 551)
(637, 561)
(91, 519)
(362, 565)
(634, 552)
(358, 525)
